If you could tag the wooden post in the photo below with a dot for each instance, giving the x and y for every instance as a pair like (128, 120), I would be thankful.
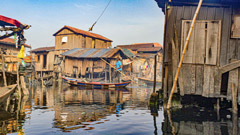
(42, 78)
(110, 74)
(3, 70)
(183, 53)
(92, 74)
(23, 85)
(155, 73)
(18, 79)
(105, 75)
(234, 100)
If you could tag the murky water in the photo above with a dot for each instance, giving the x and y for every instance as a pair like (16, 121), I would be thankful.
(71, 110)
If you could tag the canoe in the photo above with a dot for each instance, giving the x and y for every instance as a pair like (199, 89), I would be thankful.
(149, 82)
(77, 82)
(5, 92)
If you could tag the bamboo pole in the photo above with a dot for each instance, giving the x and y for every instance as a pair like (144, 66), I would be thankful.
(117, 70)
(183, 53)
(3, 70)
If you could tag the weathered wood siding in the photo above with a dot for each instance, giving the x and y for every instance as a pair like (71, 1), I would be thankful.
(201, 75)
(78, 41)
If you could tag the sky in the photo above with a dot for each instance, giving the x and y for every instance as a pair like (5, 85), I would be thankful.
(124, 21)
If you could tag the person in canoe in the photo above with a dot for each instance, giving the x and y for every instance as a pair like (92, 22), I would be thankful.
(119, 69)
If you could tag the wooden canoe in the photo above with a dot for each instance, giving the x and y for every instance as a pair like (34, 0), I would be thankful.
(77, 82)
(5, 92)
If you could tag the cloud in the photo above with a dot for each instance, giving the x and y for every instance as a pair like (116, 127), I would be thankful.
(86, 6)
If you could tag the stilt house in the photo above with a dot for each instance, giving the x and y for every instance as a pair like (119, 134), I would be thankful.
(8, 46)
(143, 63)
(212, 61)
(87, 62)
(70, 37)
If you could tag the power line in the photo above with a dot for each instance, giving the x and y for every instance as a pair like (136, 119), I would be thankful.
(90, 29)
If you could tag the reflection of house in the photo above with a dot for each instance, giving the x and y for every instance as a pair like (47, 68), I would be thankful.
(70, 37)
(211, 64)
(143, 63)
(85, 106)
(9, 46)
(82, 61)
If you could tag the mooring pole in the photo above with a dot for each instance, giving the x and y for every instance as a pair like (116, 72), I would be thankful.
(183, 53)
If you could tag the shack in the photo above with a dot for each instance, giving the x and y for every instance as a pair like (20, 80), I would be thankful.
(8, 46)
(212, 60)
(143, 63)
(44, 58)
(88, 62)
(69, 38)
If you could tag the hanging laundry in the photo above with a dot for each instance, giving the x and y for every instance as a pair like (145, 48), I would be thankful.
(21, 52)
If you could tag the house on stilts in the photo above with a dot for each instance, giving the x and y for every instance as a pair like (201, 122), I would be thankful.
(212, 61)
(48, 59)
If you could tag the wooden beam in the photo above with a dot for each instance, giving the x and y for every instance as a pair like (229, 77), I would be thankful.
(229, 67)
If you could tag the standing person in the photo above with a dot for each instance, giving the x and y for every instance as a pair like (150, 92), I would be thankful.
(119, 68)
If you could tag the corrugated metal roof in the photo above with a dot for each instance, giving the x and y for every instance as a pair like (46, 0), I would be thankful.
(94, 53)
(128, 52)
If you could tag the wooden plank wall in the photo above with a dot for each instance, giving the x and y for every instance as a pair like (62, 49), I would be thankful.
(77, 41)
(198, 79)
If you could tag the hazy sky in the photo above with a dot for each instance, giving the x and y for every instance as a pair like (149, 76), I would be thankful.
(124, 22)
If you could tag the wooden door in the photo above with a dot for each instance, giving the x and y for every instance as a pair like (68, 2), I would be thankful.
(204, 43)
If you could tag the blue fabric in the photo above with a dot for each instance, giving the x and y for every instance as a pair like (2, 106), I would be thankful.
(118, 65)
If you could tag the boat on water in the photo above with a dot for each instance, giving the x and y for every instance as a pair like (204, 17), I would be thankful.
(78, 82)
(5, 92)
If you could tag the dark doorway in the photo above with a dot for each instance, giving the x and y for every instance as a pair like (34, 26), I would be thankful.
(224, 84)
(44, 61)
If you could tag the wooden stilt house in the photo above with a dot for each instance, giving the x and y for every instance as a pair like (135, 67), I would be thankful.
(69, 37)
(212, 61)
(88, 63)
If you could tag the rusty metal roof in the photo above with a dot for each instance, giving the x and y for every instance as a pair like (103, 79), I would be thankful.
(10, 41)
(83, 32)
(136, 46)
(154, 49)
(43, 49)
(93, 53)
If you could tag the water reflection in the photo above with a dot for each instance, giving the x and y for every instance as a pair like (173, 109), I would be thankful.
(200, 121)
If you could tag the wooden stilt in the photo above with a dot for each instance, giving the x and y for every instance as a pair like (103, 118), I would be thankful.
(234, 99)
(218, 109)
(110, 74)
(3, 70)
(105, 75)
(183, 53)
(18, 82)
(42, 79)
(165, 88)
(92, 74)
(235, 124)
(155, 73)
(7, 104)
(23, 85)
